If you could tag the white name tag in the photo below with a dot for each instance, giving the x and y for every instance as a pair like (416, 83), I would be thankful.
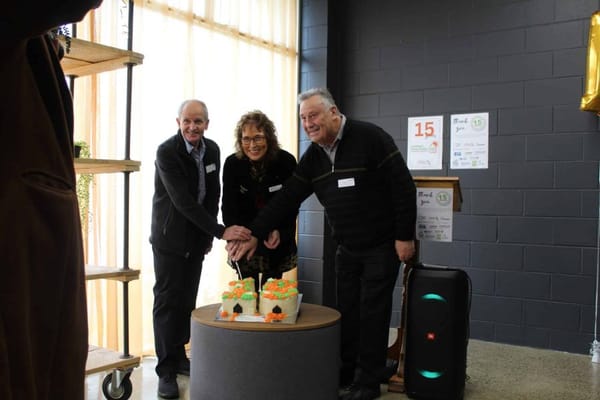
(348, 182)
(275, 188)
(211, 168)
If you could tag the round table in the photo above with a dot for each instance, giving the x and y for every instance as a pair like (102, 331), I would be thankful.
(233, 360)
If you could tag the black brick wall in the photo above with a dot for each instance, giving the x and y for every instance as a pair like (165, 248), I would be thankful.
(313, 72)
(527, 231)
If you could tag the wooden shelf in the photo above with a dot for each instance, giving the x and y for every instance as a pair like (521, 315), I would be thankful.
(100, 166)
(124, 275)
(100, 359)
(87, 58)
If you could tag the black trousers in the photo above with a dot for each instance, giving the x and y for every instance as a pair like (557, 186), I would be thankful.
(365, 287)
(175, 291)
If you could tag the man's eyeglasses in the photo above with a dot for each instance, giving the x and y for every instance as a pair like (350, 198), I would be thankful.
(258, 139)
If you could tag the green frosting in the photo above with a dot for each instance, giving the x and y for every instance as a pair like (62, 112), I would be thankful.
(247, 296)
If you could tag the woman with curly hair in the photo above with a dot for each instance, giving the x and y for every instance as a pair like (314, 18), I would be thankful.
(251, 177)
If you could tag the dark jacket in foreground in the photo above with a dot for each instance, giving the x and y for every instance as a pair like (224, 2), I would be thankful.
(368, 194)
(179, 224)
(43, 316)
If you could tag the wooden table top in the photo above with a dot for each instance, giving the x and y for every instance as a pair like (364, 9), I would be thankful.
(311, 316)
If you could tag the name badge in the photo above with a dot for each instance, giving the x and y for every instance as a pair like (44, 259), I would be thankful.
(275, 188)
(211, 168)
(348, 182)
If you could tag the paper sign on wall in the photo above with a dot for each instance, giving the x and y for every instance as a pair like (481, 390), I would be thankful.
(425, 142)
(469, 141)
(434, 214)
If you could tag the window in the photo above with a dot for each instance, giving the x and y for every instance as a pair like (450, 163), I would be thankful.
(236, 56)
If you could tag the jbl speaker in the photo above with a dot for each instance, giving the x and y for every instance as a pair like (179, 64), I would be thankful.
(437, 333)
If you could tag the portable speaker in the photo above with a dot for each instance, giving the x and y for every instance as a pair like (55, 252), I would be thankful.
(437, 333)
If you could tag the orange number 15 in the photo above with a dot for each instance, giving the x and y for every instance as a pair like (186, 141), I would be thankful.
(428, 131)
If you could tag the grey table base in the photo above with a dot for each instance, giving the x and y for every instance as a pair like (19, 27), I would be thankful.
(273, 363)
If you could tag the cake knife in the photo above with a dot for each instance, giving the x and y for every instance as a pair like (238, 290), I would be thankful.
(238, 269)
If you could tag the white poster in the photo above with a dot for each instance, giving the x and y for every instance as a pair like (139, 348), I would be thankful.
(469, 135)
(434, 214)
(425, 142)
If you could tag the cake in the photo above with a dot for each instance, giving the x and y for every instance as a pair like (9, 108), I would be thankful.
(239, 299)
(279, 300)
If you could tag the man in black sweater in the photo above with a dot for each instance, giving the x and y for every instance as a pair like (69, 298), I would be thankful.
(359, 176)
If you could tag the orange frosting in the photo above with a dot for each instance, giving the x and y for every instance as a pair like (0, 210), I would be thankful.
(275, 317)
(275, 289)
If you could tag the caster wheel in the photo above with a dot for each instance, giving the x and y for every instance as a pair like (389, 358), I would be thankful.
(120, 393)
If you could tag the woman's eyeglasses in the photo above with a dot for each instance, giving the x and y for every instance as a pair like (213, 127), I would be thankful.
(258, 139)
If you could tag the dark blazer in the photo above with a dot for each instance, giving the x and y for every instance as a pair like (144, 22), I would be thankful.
(43, 316)
(179, 224)
(243, 197)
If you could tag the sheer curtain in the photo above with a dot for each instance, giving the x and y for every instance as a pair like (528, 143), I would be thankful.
(237, 56)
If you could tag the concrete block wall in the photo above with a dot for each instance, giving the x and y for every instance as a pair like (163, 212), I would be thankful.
(527, 233)
(311, 219)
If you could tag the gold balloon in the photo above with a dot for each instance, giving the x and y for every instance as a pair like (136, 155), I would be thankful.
(591, 99)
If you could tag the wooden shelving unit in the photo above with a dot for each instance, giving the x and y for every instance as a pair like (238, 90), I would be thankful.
(100, 359)
(93, 272)
(99, 166)
(88, 58)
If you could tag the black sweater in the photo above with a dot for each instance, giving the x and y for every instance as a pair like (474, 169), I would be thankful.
(368, 193)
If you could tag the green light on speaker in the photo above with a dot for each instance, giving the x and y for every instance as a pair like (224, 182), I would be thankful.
(430, 374)
(433, 296)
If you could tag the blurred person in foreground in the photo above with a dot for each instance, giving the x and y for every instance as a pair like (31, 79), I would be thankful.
(361, 179)
(43, 316)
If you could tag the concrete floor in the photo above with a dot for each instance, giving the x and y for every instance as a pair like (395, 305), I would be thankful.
(495, 372)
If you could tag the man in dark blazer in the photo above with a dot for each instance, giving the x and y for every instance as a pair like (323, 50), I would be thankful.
(43, 318)
(184, 223)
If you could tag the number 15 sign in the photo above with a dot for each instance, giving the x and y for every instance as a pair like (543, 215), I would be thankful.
(425, 142)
